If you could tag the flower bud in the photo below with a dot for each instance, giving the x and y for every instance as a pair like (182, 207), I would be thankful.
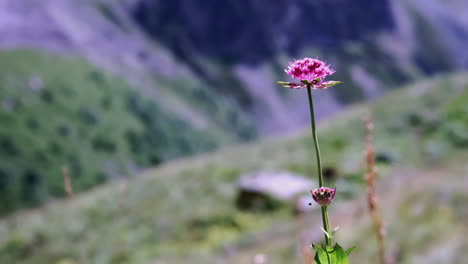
(323, 195)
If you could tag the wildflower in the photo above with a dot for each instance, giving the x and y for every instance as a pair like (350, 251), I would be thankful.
(323, 195)
(311, 73)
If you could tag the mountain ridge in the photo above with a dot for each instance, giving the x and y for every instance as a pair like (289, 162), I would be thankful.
(99, 30)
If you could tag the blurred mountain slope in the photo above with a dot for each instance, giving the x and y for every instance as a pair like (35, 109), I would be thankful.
(60, 111)
(253, 31)
(204, 73)
(186, 209)
(227, 46)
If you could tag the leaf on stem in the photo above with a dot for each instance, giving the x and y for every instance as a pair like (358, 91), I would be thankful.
(330, 255)
(350, 250)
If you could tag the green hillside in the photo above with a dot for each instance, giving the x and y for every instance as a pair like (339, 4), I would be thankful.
(184, 211)
(60, 111)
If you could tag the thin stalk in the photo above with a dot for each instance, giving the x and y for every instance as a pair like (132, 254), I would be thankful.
(326, 224)
(371, 178)
(314, 136)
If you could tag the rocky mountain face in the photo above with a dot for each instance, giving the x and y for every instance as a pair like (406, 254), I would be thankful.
(254, 31)
(191, 75)
(230, 45)
(373, 45)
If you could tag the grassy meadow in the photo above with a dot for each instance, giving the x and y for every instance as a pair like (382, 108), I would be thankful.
(184, 210)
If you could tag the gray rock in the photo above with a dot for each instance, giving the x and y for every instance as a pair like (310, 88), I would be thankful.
(267, 190)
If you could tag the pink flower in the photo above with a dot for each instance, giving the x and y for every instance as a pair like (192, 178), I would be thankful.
(323, 195)
(309, 69)
(310, 72)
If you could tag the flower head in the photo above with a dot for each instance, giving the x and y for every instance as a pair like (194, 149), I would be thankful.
(310, 72)
(323, 195)
(309, 69)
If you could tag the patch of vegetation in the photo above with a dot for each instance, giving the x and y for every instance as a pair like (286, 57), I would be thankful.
(213, 104)
(64, 112)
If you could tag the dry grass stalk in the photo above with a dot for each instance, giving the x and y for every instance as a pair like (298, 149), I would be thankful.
(67, 182)
(370, 178)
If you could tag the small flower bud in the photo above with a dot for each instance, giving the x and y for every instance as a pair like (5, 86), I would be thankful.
(323, 195)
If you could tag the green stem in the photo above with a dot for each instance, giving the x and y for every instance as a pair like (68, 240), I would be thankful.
(326, 224)
(314, 136)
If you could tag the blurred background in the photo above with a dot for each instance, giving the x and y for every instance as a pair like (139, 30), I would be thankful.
(150, 131)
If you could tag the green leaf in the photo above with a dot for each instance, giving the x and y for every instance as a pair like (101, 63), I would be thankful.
(341, 256)
(330, 255)
(316, 247)
(321, 255)
(330, 83)
(350, 250)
